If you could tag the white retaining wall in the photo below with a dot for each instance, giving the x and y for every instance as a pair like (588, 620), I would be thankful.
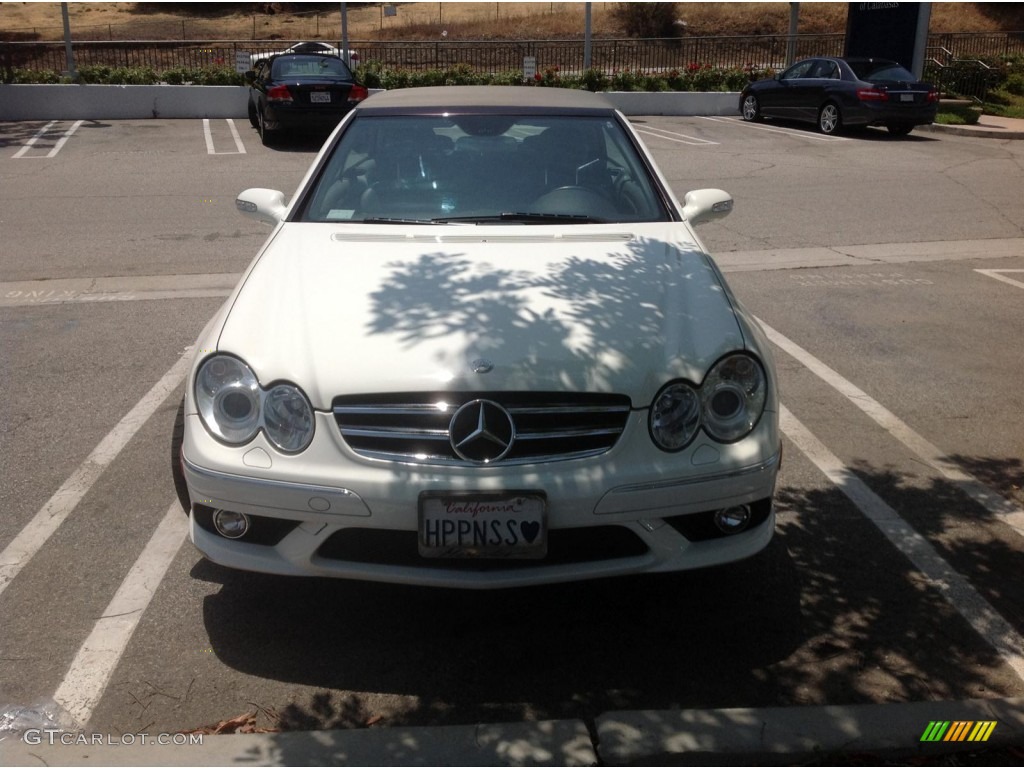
(125, 102)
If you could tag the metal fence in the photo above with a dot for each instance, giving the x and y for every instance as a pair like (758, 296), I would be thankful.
(647, 55)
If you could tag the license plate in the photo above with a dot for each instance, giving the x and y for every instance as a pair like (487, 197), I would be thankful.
(500, 526)
(320, 97)
(906, 97)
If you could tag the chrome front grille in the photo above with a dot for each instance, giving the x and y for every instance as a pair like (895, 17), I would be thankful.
(414, 427)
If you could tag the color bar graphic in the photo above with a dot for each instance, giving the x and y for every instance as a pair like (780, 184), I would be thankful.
(958, 730)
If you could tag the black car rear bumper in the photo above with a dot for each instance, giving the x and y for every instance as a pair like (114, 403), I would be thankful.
(868, 113)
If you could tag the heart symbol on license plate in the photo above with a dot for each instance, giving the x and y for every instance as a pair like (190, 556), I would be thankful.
(529, 531)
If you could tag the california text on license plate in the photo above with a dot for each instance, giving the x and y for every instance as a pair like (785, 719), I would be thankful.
(508, 525)
(319, 97)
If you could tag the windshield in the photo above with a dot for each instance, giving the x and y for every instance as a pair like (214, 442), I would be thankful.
(881, 72)
(484, 168)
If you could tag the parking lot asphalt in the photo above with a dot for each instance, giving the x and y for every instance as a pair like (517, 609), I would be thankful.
(889, 274)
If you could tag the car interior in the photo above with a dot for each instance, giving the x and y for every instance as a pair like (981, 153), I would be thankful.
(426, 169)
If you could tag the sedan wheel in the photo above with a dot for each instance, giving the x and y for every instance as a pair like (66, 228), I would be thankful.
(899, 129)
(830, 121)
(254, 119)
(751, 108)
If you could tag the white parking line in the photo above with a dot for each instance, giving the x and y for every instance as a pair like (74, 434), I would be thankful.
(956, 590)
(995, 503)
(20, 154)
(54, 512)
(682, 138)
(784, 131)
(239, 146)
(998, 274)
(89, 673)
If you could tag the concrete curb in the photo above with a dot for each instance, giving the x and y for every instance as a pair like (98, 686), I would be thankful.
(778, 735)
(978, 131)
(784, 734)
(555, 742)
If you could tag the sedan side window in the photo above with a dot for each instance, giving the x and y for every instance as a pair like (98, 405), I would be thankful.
(824, 69)
(798, 70)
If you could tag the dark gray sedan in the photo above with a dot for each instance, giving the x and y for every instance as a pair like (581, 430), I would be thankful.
(843, 92)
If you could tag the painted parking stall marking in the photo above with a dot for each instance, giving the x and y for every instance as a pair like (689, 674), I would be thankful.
(107, 289)
(681, 138)
(208, 134)
(1000, 275)
(794, 132)
(955, 589)
(858, 279)
(1000, 507)
(56, 510)
(22, 154)
(89, 673)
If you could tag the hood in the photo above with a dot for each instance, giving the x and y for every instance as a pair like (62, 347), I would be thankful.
(372, 309)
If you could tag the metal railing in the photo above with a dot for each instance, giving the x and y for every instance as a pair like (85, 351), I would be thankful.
(966, 78)
(645, 55)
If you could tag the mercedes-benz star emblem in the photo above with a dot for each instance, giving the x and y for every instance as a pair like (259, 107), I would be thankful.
(481, 431)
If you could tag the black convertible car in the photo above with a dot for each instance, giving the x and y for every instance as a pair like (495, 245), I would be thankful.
(299, 92)
(838, 92)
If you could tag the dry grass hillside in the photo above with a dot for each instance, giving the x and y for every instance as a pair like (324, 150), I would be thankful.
(452, 21)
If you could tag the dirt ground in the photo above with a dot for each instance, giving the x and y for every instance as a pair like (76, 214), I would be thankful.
(441, 20)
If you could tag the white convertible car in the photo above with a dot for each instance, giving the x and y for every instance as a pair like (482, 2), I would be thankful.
(482, 347)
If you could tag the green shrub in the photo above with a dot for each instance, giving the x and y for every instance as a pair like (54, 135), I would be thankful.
(956, 114)
(594, 80)
(373, 74)
(45, 76)
(1014, 84)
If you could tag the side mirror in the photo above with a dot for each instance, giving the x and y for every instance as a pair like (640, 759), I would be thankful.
(250, 76)
(706, 204)
(266, 205)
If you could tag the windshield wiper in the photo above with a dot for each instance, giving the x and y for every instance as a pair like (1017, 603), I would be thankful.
(525, 218)
(386, 220)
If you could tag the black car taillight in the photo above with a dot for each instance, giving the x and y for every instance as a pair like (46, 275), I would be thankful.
(357, 93)
(872, 94)
(933, 95)
(279, 93)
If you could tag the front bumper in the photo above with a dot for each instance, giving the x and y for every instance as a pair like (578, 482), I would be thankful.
(631, 510)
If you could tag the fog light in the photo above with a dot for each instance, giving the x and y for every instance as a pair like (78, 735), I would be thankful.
(230, 525)
(733, 519)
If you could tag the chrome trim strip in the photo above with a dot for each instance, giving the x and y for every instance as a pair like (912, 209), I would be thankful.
(583, 409)
(404, 458)
(659, 484)
(401, 409)
(395, 433)
(556, 434)
(286, 485)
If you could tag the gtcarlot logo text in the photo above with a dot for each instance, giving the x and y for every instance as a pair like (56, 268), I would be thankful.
(54, 736)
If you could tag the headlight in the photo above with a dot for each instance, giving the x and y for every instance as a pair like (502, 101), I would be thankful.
(288, 418)
(733, 397)
(675, 416)
(228, 399)
(234, 408)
